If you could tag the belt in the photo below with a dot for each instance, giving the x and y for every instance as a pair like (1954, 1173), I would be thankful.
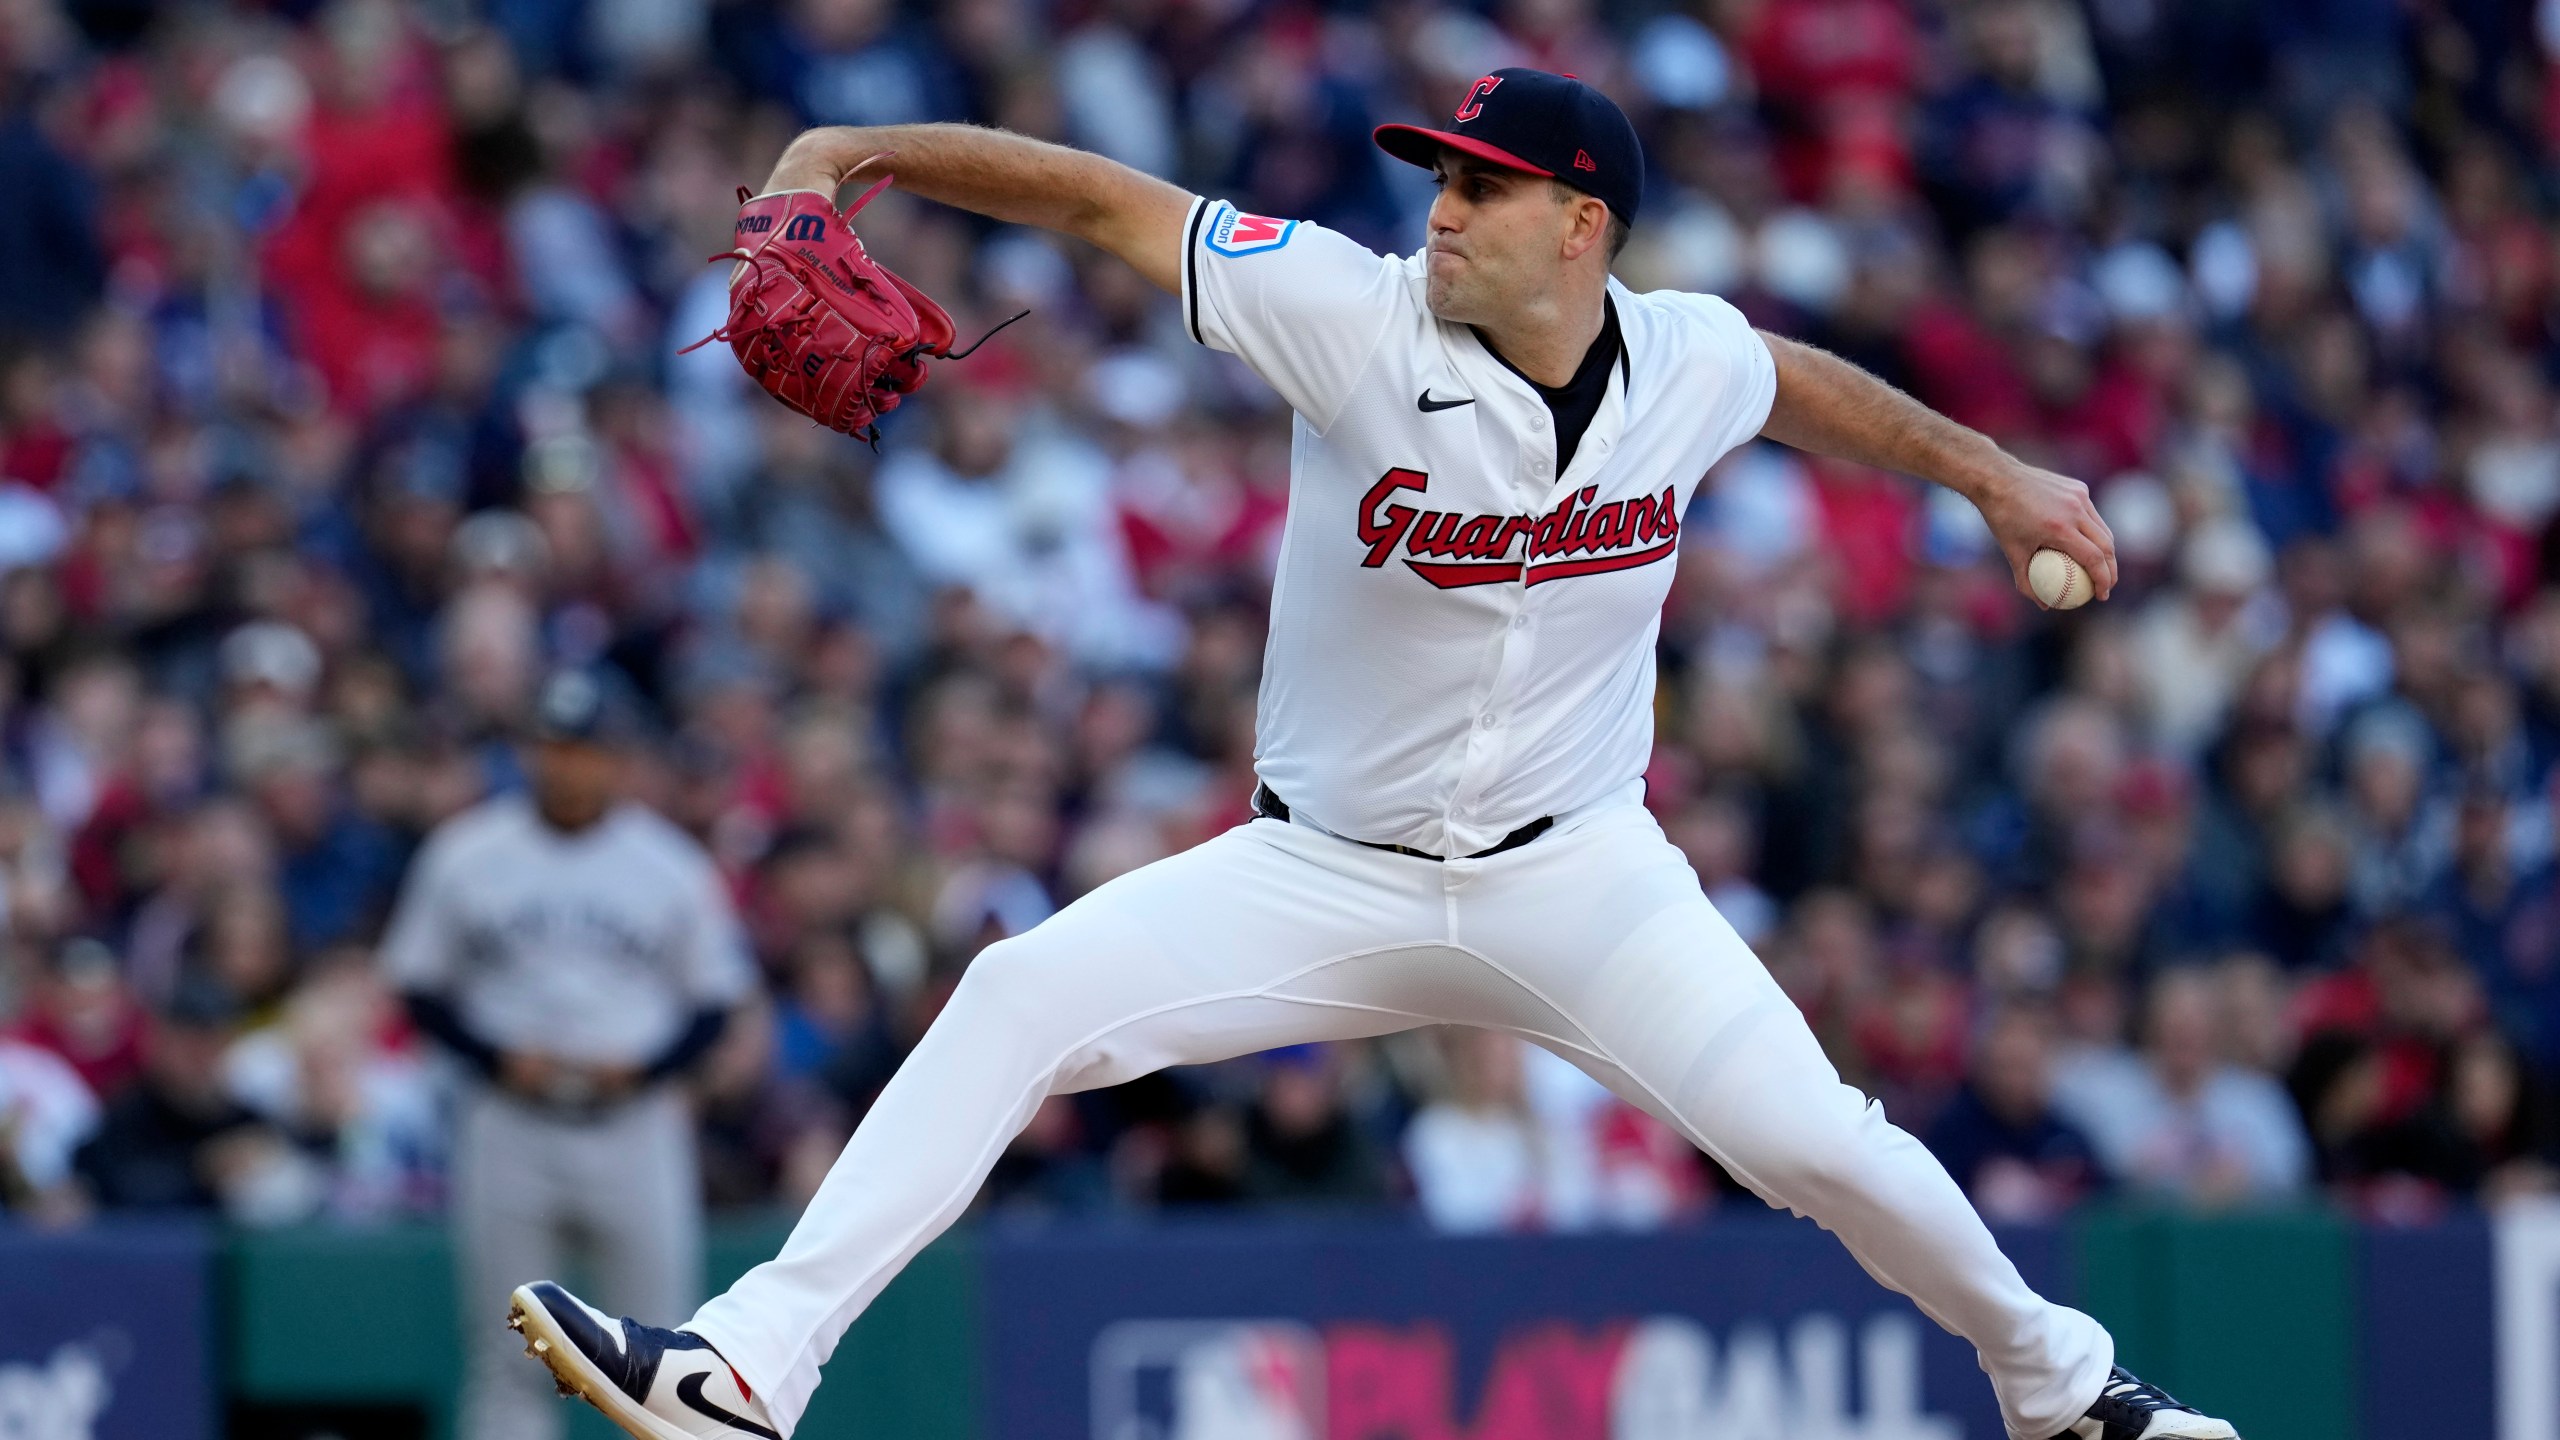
(1267, 802)
(568, 1107)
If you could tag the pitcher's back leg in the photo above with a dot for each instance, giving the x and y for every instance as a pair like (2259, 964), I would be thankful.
(1675, 1013)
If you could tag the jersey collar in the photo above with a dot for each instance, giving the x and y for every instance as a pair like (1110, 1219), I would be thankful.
(1473, 366)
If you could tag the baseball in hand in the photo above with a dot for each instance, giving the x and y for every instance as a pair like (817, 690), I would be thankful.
(2057, 580)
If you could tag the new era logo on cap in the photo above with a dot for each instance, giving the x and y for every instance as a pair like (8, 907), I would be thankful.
(1544, 124)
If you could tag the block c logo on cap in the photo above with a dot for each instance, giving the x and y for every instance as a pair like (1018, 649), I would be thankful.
(1473, 105)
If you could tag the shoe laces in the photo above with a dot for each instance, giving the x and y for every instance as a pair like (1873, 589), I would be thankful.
(2129, 1389)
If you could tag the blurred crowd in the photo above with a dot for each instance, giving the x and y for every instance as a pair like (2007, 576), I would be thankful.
(340, 397)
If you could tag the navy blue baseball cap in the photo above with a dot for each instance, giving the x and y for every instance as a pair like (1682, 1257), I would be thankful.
(1550, 125)
(581, 706)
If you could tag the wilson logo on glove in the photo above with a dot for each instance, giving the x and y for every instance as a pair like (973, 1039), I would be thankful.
(845, 352)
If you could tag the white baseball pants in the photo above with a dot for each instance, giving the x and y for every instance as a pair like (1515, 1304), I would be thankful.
(1593, 941)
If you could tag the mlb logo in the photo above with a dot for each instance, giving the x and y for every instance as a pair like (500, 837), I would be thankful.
(1236, 233)
(1208, 1380)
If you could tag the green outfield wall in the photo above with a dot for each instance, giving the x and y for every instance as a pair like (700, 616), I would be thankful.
(2259, 1312)
(333, 1315)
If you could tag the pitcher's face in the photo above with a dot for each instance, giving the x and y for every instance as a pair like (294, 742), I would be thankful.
(1498, 237)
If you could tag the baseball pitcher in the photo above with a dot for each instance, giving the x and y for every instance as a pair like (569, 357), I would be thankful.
(1495, 444)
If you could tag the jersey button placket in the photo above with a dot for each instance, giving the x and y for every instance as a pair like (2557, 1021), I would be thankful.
(1487, 743)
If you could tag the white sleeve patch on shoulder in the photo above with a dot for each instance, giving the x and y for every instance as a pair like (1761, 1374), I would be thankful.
(1302, 305)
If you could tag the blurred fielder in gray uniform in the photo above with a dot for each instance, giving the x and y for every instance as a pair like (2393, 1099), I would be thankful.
(578, 953)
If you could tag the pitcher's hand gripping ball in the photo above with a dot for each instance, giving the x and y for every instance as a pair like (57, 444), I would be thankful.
(823, 327)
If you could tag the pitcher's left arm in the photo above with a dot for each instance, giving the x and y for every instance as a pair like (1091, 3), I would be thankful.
(1828, 406)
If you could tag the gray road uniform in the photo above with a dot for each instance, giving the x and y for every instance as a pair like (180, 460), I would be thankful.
(612, 946)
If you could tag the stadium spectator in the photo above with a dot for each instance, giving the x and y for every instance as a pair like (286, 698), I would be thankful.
(2178, 1119)
(1609, 1165)
(1051, 1168)
(2001, 1137)
(175, 1139)
(2409, 1093)
(1302, 1144)
(51, 268)
(46, 1113)
(337, 1077)
(1475, 1153)
(81, 1009)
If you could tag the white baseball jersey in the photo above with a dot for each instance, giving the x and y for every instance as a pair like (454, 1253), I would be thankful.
(1462, 639)
(595, 946)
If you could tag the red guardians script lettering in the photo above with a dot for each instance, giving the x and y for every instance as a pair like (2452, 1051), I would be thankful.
(1454, 550)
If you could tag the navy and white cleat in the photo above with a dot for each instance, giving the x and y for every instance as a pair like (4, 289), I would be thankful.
(2128, 1409)
(656, 1384)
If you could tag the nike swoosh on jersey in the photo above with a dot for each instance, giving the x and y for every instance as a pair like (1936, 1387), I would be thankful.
(1426, 404)
(689, 1390)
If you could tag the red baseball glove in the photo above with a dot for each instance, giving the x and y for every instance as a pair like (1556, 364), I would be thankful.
(823, 327)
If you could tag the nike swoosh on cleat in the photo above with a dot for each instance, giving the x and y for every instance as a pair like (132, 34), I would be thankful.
(1426, 404)
(689, 1390)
